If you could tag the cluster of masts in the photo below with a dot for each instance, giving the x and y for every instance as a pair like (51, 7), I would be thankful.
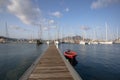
(84, 42)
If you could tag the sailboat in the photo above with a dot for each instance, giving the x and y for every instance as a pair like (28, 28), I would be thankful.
(83, 42)
(117, 40)
(94, 40)
(39, 41)
(56, 42)
(31, 41)
(7, 34)
(106, 41)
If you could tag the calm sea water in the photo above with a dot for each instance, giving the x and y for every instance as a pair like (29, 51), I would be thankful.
(16, 58)
(96, 62)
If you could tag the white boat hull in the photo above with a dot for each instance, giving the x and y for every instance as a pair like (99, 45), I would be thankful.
(94, 43)
(83, 43)
(108, 42)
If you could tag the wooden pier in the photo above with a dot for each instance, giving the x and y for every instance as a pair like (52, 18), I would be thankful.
(51, 66)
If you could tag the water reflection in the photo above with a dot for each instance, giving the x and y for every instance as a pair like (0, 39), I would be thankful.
(97, 62)
(16, 58)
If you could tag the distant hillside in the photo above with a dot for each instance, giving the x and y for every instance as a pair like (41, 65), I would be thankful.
(9, 39)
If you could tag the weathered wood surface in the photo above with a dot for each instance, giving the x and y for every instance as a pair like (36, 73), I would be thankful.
(51, 67)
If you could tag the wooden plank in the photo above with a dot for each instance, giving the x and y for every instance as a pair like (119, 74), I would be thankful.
(51, 67)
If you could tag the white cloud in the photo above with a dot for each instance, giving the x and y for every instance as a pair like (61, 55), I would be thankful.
(15, 27)
(56, 14)
(3, 4)
(67, 9)
(51, 21)
(52, 24)
(24, 10)
(103, 3)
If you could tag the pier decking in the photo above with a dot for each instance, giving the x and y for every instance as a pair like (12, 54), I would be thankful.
(51, 66)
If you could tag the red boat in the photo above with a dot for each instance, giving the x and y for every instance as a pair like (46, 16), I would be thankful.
(71, 56)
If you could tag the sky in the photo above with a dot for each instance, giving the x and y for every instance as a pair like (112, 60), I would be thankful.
(50, 19)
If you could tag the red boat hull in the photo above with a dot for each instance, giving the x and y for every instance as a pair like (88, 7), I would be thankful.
(70, 55)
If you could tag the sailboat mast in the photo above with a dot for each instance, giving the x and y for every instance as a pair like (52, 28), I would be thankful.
(83, 35)
(94, 35)
(40, 31)
(7, 35)
(117, 32)
(56, 36)
(106, 30)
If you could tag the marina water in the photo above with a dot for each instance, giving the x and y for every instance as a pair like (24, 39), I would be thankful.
(95, 62)
(15, 59)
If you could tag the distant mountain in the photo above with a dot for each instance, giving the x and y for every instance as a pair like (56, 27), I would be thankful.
(9, 39)
(77, 38)
(74, 38)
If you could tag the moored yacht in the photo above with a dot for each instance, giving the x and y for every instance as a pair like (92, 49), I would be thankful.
(106, 42)
(83, 42)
